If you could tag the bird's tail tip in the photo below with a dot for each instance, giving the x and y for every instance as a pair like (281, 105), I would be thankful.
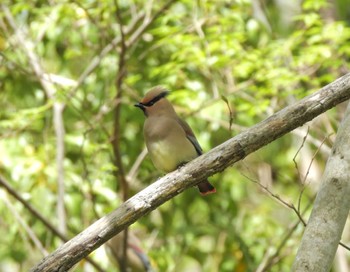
(205, 188)
(208, 192)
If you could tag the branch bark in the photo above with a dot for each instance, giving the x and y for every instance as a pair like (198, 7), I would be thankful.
(324, 229)
(216, 160)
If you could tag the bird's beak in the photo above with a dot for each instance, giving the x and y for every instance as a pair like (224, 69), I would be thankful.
(140, 105)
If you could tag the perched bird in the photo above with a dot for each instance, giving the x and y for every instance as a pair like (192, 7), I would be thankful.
(169, 140)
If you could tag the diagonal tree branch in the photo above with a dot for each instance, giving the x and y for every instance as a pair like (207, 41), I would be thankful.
(216, 160)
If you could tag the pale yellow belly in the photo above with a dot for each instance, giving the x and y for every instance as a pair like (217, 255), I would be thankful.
(167, 157)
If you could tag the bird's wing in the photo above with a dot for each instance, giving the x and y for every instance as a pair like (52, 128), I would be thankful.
(190, 136)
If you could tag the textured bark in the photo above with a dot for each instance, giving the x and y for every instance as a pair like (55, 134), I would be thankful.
(216, 160)
(324, 229)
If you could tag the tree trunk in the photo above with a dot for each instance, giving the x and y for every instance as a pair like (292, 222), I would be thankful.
(324, 229)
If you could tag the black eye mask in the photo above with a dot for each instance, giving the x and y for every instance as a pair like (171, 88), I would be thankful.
(153, 101)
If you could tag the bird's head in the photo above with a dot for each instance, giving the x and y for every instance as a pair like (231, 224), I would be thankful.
(154, 102)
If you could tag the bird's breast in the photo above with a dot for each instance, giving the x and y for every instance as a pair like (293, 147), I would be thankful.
(167, 143)
(167, 155)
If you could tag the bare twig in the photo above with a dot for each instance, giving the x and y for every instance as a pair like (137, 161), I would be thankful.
(25, 226)
(307, 173)
(6, 185)
(224, 98)
(97, 59)
(344, 246)
(312, 140)
(146, 23)
(135, 167)
(30, 208)
(50, 91)
(136, 34)
(116, 141)
(298, 151)
(270, 260)
(278, 198)
(121, 73)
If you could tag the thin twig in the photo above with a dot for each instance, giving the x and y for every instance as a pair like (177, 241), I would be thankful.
(277, 197)
(298, 151)
(308, 171)
(272, 259)
(326, 150)
(58, 107)
(116, 141)
(298, 171)
(25, 226)
(6, 185)
(135, 167)
(146, 23)
(304, 178)
(289, 205)
(224, 98)
(95, 62)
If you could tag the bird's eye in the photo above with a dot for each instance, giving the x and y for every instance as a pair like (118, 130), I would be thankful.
(156, 99)
(150, 103)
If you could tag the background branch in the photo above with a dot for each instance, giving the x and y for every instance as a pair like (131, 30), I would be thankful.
(116, 141)
(36, 241)
(58, 107)
(132, 30)
(216, 160)
(6, 185)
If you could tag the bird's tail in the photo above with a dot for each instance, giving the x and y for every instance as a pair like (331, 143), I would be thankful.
(205, 188)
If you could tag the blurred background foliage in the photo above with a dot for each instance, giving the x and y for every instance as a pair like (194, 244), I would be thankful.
(230, 64)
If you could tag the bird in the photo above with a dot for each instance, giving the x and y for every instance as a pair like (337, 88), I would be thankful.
(170, 141)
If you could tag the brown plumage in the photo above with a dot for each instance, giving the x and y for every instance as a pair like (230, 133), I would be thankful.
(170, 141)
